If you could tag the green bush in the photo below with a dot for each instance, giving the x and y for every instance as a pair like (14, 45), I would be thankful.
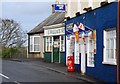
(14, 52)
(6, 52)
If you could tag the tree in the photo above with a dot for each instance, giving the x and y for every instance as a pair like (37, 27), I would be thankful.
(11, 34)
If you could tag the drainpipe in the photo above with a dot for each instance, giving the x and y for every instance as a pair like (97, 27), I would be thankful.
(118, 44)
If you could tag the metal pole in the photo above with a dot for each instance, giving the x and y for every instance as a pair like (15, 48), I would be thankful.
(118, 44)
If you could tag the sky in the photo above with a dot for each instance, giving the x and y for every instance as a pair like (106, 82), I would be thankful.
(28, 13)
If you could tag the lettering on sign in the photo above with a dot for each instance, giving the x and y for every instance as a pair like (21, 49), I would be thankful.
(59, 7)
(57, 31)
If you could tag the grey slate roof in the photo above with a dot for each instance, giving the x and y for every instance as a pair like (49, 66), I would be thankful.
(54, 18)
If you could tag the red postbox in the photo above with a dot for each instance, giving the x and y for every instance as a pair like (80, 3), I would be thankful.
(70, 64)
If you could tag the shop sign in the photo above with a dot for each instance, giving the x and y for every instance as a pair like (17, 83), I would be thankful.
(55, 31)
(59, 8)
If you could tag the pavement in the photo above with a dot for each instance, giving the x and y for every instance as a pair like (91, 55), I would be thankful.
(60, 68)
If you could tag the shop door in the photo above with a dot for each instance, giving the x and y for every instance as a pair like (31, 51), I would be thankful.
(56, 44)
(55, 54)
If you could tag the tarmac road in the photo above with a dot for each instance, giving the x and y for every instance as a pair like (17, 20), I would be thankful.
(18, 72)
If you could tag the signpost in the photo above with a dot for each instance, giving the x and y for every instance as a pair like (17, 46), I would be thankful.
(59, 7)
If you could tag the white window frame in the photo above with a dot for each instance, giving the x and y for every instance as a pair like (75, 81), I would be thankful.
(62, 48)
(32, 41)
(49, 44)
(107, 60)
(109, 1)
(90, 53)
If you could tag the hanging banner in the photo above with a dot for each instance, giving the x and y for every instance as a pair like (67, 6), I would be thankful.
(69, 47)
(76, 32)
(76, 54)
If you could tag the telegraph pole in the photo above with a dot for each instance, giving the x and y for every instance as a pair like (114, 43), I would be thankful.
(118, 44)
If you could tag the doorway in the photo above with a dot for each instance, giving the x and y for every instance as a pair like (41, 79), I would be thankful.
(56, 44)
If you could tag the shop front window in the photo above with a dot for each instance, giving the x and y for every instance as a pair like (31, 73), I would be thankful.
(48, 43)
(90, 53)
(109, 47)
(57, 41)
(62, 43)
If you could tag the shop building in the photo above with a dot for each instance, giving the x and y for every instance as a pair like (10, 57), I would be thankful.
(54, 40)
(36, 48)
(95, 52)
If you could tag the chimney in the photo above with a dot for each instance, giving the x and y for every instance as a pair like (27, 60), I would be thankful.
(104, 3)
(77, 14)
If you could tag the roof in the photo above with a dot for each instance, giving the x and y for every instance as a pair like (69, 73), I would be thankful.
(54, 18)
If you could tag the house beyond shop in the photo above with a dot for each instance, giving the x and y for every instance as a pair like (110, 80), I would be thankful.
(96, 55)
(36, 36)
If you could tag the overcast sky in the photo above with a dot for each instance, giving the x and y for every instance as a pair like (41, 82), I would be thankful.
(28, 13)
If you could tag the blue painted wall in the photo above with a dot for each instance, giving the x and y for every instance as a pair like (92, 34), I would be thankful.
(100, 19)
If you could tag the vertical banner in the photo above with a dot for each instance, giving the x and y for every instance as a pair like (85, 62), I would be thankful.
(69, 50)
(83, 58)
(76, 54)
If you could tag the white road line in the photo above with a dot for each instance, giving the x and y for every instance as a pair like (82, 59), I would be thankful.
(4, 76)
(16, 82)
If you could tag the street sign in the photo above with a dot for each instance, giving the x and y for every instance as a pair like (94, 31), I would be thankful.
(59, 7)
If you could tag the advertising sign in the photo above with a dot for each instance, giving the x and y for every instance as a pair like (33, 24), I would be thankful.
(59, 7)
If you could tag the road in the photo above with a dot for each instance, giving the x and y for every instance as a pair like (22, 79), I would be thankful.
(17, 72)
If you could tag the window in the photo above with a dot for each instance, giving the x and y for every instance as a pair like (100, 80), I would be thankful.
(49, 43)
(34, 43)
(90, 53)
(58, 39)
(109, 47)
(62, 43)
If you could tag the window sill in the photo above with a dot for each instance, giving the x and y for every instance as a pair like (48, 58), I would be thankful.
(48, 52)
(34, 52)
(109, 63)
(91, 66)
(62, 51)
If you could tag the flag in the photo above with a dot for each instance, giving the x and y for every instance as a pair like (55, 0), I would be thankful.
(83, 36)
(76, 31)
(90, 34)
(81, 26)
(75, 28)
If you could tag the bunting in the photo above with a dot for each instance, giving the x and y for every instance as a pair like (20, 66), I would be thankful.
(81, 26)
(76, 31)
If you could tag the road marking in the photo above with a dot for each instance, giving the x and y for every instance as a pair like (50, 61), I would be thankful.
(4, 76)
(16, 82)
